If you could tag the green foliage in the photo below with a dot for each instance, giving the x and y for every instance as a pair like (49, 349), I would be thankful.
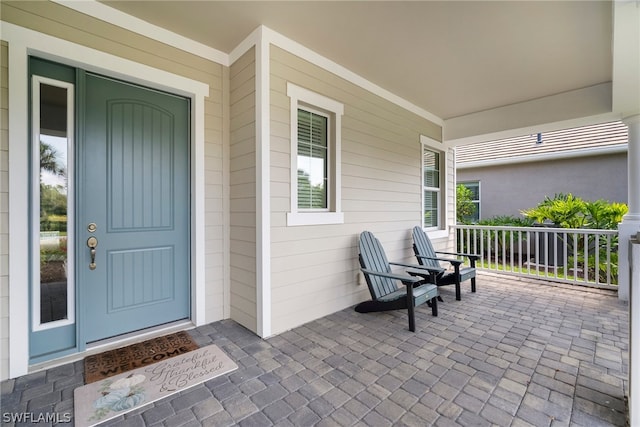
(48, 160)
(310, 196)
(465, 208)
(507, 220)
(569, 211)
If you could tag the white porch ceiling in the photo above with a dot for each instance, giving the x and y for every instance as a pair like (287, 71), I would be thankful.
(451, 58)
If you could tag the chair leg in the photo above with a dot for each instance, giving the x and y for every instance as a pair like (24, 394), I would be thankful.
(412, 318)
(411, 308)
(473, 284)
(458, 298)
(434, 306)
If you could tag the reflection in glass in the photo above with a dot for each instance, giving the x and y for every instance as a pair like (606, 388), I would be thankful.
(312, 160)
(54, 197)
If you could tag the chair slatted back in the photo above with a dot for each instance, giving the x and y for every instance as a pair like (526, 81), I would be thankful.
(372, 257)
(422, 246)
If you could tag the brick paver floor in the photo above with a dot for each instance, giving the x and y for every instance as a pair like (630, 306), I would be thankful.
(516, 353)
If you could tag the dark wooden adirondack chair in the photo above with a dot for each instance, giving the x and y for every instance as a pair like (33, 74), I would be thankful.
(382, 282)
(427, 256)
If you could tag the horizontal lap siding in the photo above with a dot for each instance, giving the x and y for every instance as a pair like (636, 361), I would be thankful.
(64, 23)
(315, 269)
(242, 183)
(4, 211)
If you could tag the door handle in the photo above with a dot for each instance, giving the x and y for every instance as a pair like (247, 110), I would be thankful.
(92, 242)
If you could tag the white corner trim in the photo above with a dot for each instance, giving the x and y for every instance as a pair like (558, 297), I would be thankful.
(263, 187)
(18, 208)
(253, 39)
(131, 23)
(22, 43)
(198, 243)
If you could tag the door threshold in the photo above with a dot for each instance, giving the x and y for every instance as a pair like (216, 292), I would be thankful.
(115, 342)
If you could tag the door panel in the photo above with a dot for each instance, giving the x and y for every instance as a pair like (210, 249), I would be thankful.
(135, 188)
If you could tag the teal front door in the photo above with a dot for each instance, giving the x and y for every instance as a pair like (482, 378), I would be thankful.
(132, 209)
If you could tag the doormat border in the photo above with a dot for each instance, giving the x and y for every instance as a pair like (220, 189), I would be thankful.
(113, 362)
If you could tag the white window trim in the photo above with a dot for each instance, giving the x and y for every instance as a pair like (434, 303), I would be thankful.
(441, 231)
(304, 98)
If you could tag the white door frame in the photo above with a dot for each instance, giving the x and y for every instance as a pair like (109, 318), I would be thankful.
(22, 43)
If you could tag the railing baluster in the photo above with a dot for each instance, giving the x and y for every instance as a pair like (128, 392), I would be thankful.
(586, 258)
(545, 238)
(503, 235)
(565, 259)
(511, 250)
(575, 257)
(609, 260)
(482, 246)
(570, 250)
(528, 252)
(597, 260)
(555, 254)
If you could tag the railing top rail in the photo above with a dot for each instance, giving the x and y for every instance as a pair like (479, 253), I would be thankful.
(535, 229)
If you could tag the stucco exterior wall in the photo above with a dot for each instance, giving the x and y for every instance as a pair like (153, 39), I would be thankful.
(314, 269)
(508, 189)
(243, 190)
(63, 23)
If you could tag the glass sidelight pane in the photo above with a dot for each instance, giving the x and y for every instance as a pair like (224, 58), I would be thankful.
(52, 146)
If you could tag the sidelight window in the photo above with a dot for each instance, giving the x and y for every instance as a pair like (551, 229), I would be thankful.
(52, 202)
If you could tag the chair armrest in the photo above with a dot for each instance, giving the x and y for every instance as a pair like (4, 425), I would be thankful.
(406, 280)
(473, 257)
(419, 267)
(453, 261)
(426, 273)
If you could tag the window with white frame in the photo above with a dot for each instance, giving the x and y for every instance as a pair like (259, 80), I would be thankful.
(432, 187)
(315, 158)
(474, 188)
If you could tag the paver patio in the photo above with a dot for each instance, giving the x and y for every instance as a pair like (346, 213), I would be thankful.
(518, 352)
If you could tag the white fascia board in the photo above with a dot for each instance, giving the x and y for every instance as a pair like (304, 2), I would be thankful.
(530, 130)
(572, 154)
(131, 23)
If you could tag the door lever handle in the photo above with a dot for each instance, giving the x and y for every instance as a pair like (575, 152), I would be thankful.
(92, 242)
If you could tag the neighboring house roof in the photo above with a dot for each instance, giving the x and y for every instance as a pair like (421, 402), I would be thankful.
(604, 138)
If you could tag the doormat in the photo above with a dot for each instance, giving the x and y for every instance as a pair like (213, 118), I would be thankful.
(104, 365)
(109, 398)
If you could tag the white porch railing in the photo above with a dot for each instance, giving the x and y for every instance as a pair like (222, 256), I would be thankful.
(577, 256)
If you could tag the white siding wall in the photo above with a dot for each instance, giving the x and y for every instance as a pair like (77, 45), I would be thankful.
(315, 269)
(243, 190)
(4, 212)
(51, 18)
